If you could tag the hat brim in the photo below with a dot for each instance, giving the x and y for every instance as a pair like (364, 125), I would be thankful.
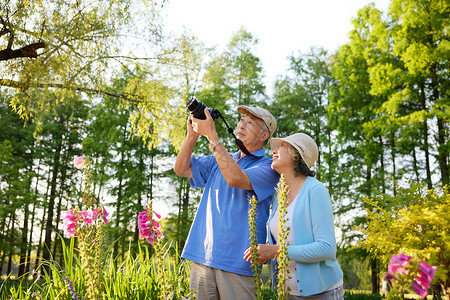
(242, 109)
(275, 143)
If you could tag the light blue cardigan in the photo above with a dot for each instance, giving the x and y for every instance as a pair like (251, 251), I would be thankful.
(314, 249)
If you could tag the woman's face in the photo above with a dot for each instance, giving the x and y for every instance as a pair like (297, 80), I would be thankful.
(282, 160)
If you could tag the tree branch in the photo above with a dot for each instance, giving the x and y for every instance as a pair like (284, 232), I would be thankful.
(27, 51)
(25, 86)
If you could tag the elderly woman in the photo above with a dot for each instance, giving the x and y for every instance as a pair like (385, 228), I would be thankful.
(315, 272)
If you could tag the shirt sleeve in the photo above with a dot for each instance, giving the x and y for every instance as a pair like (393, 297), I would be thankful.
(201, 169)
(263, 179)
(323, 246)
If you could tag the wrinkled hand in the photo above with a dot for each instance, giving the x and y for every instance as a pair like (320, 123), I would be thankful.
(190, 127)
(205, 127)
(265, 253)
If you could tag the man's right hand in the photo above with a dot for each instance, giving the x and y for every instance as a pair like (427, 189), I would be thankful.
(190, 128)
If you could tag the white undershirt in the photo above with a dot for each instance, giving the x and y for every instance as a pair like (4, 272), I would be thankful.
(273, 226)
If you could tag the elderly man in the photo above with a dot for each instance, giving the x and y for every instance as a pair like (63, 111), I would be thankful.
(220, 231)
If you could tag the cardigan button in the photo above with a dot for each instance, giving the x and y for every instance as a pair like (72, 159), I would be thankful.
(301, 291)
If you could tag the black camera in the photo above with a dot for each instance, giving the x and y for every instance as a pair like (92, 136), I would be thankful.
(197, 109)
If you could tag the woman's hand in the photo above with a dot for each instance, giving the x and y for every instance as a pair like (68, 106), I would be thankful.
(265, 253)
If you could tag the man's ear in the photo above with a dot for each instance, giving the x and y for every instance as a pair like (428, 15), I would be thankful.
(265, 135)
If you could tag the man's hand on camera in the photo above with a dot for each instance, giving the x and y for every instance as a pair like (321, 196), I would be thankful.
(205, 127)
(190, 127)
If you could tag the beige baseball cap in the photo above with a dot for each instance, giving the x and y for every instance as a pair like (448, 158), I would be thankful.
(304, 144)
(261, 113)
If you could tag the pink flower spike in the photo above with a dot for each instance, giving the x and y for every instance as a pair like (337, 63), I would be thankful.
(426, 271)
(389, 276)
(79, 161)
(68, 215)
(151, 238)
(105, 214)
(157, 215)
(156, 224)
(144, 232)
(401, 259)
(70, 233)
(87, 217)
(143, 217)
(95, 213)
(419, 290)
(423, 282)
(397, 269)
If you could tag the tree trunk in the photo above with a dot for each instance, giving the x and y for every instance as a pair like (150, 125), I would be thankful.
(394, 169)
(33, 214)
(11, 251)
(51, 202)
(374, 279)
(63, 172)
(426, 147)
(24, 243)
(119, 198)
(41, 234)
(415, 165)
(382, 168)
(443, 153)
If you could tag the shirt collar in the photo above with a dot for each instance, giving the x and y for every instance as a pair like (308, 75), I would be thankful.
(259, 153)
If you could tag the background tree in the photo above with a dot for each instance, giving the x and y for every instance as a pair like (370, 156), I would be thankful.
(300, 99)
(78, 57)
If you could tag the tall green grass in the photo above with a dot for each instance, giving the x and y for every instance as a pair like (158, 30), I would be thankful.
(138, 276)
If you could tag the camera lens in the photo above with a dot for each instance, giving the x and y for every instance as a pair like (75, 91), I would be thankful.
(196, 108)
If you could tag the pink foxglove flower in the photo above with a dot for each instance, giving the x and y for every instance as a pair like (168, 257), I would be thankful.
(403, 269)
(69, 223)
(148, 228)
(423, 282)
(420, 290)
(79, 161)
(105, 214)
(399, 264)
(389, 276)
(427, 272)
(74, 219)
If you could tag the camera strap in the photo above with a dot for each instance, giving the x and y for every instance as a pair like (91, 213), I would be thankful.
(237, 141)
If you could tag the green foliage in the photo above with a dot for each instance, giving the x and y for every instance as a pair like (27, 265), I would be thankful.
(355, 266)
(416, 222)
(355, 295)
(244, 69)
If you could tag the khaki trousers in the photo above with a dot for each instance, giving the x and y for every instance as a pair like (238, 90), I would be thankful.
(210, 283)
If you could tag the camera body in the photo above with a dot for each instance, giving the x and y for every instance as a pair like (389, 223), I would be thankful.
(197, 109)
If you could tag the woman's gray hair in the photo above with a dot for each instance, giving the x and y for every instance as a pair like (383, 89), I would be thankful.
(300, 167)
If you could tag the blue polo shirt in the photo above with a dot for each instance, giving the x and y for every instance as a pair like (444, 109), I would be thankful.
(220, 232)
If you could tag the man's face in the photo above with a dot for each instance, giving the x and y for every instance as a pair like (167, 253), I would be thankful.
(251, 130)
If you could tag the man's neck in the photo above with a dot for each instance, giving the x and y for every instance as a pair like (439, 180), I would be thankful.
(251, 150)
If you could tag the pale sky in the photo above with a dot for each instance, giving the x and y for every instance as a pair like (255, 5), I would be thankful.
(283, 27)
